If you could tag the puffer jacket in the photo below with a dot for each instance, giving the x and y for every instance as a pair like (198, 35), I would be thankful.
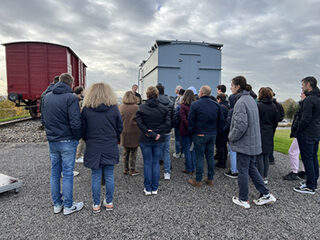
(153, 116)
(244, 136)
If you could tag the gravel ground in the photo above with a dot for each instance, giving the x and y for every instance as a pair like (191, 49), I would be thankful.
(179, 211)
(21, 132)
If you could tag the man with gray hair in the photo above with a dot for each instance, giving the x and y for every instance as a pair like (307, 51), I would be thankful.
(205, 120)
(62, 121)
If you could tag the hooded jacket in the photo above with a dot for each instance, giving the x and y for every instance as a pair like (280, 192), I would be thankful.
(244, 136)
(153, 116)
(101, 131)
(61, 114)
(309, 121)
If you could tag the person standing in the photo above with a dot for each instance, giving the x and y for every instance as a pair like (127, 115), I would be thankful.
(177, 138)
(245, 139)
(130, 134)
(205, 119)
(62, 121)
(186, 137)
(134, 90)
(80, 150)
(268, 116)
(102, 126)
(154, 120)
(166, 102)
(308, 134)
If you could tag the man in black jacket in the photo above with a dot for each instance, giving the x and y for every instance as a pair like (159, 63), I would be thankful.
(62, 121)
(166, 102)
(308, 134)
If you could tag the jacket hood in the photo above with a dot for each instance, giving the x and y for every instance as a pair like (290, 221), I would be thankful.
(164, 99)
(153, 102)
(49, 89)
(225, 103)
(102, 108)
(266, 100)
(60, 88)
(315, 92)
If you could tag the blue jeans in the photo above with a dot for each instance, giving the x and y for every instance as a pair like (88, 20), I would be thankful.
(190, 156)
(151, 153)
(96, 183)
(166, 154)
(233, 160)
(308, 150)
(62, 155)
(247, 167)
(204, 146)
(177, 140)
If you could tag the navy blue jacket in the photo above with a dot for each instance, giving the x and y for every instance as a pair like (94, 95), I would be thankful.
(61, 114)
(101, 129)
(205, 117)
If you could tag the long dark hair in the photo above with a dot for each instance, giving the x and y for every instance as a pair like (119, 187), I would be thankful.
(188, 97)
(242, 82)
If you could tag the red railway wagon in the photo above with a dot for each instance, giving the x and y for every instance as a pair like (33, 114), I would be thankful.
(31, 67)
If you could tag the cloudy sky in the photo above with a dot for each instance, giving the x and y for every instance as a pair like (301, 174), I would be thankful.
(272, 43)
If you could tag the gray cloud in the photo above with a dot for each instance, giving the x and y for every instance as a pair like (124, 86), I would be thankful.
(270, 42)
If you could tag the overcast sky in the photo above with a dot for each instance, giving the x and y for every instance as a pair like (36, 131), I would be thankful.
(272, 43)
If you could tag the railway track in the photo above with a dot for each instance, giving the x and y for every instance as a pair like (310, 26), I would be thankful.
(15, 121)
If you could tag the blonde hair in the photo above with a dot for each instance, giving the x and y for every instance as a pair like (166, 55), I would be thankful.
(99, 93)
(152, 92)
(129, 98)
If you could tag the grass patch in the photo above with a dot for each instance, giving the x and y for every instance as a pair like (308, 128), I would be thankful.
(13, 118)
(282, 141)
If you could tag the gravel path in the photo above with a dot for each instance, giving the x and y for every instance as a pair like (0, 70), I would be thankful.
(179, 211)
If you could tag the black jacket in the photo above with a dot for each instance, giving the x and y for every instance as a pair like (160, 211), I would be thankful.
(280, 109)
(205, 117)
(295, 122)
(165, 101)
(268, 116)
(153, 116)
(61, 114)
(309, 122)
(101, 129)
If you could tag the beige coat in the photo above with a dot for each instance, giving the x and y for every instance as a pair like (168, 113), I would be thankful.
(130, 133)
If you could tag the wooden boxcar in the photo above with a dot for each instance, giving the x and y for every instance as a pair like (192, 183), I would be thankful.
(31, 67)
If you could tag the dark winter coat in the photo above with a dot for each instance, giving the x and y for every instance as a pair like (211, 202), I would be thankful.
(165, 101)
(205, 117)
(153, 116)
(268, 116)
(131, 132)
(61, 114)
(101, 131)
(225, 108)
(184, 112)
(295, 122)
(309, 123)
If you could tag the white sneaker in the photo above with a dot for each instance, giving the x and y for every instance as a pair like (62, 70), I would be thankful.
(154, 192)
(176, 155)
(244, 204)
(57, 209)
(79, 160)
(75, 173)
(108, 206)
(147, 193)
(167, 176)
(265, 180)
(77, 206)
(265, 199)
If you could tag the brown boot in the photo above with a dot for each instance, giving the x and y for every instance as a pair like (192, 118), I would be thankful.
(134, 173)
(126, 172)
(209, 182)
(194, 183)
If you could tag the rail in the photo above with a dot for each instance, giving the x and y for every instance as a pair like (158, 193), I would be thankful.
(6, 123)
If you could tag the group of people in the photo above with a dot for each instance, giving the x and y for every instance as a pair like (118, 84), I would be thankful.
(242, 124)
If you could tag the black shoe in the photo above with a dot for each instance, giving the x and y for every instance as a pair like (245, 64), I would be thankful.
(304, 189)
(231, 175)
(302, 175)
(216, 157)
(291, 176)
(161, 162)
(272, 162)
(219, 165)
